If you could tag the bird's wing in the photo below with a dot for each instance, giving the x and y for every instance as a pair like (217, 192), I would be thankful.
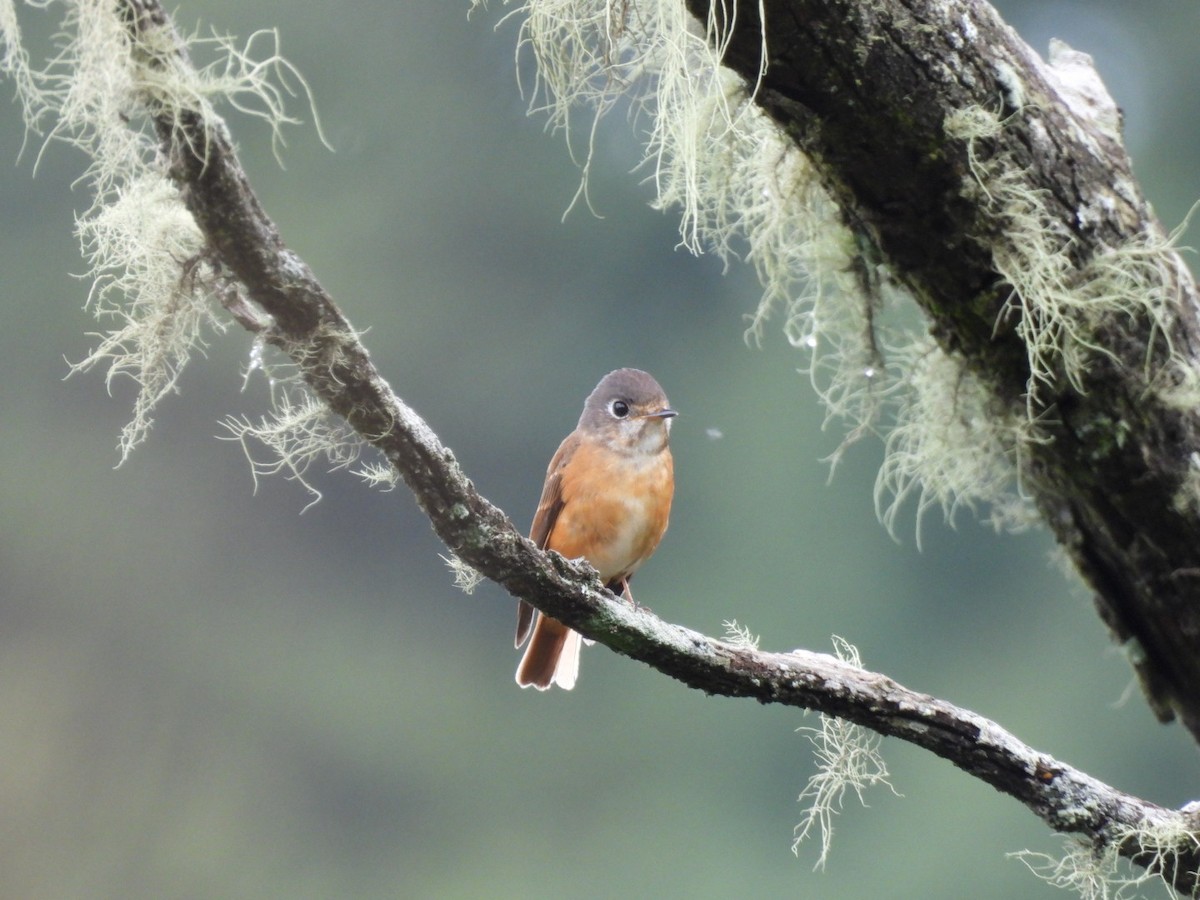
(549, 506)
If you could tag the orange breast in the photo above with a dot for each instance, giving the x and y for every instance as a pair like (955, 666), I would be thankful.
(615, 508)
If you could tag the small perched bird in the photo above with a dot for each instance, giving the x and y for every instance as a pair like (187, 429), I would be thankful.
(607, 498)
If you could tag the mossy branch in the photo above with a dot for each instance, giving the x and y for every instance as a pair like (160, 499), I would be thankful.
(996, 189)
(269, 290)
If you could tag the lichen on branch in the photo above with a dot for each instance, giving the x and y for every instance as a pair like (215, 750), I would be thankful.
(269, 289)
(148, 264)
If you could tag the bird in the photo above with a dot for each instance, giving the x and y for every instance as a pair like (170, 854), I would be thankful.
(607, 499)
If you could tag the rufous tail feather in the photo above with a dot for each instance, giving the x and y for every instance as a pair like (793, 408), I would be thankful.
(552, 656)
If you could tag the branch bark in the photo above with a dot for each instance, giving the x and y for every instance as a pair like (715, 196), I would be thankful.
(865, 89)
(307, 325)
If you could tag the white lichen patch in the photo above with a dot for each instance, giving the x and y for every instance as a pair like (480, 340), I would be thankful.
(148, 274)
(1101, 873)
(1057, 306)
(298, 432)
(951, 447)
(1090, 874)
(848, 759)
(466, 578)
(1187, 496)
(1074, 76)
(739, 635)
(14, 64)
(378, 475)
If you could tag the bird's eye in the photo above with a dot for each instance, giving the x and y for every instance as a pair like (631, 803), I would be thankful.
(620, 409)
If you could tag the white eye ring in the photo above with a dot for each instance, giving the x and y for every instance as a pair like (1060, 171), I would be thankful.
(619, 408)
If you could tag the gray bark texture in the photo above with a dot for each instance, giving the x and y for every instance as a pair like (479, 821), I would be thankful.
(865, 89)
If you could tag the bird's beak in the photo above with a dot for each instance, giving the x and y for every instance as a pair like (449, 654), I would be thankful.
(667, 413)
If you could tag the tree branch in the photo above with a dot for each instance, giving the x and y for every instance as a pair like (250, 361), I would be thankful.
(307, 325)
(1097, 367)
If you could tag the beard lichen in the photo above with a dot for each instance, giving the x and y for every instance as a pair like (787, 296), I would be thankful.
(105, 90)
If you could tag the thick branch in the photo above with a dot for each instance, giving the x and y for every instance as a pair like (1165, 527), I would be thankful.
(866, 90)
(309, 327)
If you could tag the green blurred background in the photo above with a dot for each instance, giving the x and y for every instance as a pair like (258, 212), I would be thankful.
(204, 693)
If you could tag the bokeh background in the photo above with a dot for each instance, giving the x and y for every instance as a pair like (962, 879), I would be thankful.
(205, 693)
